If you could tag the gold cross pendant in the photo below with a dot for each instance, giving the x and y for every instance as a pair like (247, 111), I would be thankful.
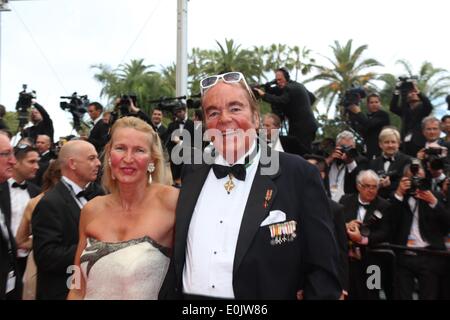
(229, 185)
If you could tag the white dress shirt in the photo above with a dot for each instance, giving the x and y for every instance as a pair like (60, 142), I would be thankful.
(213, 233)
(74, 189)
(336, 177)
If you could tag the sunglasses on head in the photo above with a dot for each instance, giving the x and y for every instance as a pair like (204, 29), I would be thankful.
(229, 77)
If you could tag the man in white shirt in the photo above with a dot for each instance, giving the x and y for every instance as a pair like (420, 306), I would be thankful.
(242, 233)
(420, 220)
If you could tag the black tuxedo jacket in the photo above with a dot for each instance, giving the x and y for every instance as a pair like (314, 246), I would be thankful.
(395, 171)
(188, 125)
(99, 135)
(5, 198)
(379, 232)
(55, 238)
(8, 256)
(262, 270)
(161, 131)
(44, 162)
(350, 177)
(292, 145)
(434, 223)
(337, 211)
(370, 126)
(43, 127)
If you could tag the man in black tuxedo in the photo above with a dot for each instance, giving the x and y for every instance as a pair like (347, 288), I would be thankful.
(157, 125)
(420, 221)
(10, 277)
(390, 164)
(180, 134)
(18, 190)
(99, 131)
(289, 144)
(56, 217)
(414, 106)
(42, 124)
(250, 231)
(367, 219)
(369, 126)
(43, 145)
(344, 164)
(294, 101)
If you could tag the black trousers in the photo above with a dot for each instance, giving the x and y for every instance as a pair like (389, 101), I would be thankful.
(358, 289)
(426, 269)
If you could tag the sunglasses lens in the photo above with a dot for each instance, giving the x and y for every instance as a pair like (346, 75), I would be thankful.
(208, 82)
(232, 77)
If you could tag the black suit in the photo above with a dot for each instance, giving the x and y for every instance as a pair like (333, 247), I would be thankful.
(411, 122)
(350, 177)
(43, 127)
(99, 135)
(5, 198)
(8, 252)
(379, 232)
(295, 103)
(337, 211)
(395, 171)
(161, 131)
(369, 127)
(170, 145)
(433, 227)
(262, 270)
(55, 238)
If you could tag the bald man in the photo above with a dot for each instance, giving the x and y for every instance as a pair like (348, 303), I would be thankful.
(43, 145)
(56, 217)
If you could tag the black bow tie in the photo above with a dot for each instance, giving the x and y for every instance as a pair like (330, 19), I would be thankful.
(365, 206)
(82, 194)
(238, 171)
(22, 186)
(388, 159)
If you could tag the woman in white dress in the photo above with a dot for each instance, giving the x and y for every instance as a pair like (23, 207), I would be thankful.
(126, 236)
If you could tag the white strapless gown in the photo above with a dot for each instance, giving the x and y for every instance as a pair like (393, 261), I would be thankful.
(127, 270)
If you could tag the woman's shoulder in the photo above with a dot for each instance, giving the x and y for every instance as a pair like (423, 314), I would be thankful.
(97, 204)
(168, 195)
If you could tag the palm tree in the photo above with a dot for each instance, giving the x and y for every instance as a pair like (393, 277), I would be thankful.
(348, 68)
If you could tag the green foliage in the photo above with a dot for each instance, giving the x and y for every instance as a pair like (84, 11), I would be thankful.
(11, 121)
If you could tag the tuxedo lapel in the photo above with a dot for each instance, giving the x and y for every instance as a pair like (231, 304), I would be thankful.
(190, 191)
(256, 210)
(5, 202)
(73, 207)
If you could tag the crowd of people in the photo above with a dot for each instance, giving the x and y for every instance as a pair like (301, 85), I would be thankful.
(116, 214)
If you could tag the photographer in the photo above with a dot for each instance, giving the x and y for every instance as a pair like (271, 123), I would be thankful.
(369, 126)
(414, 106)
(366, 217)
(42, 124)
(126, 106)
(421, 222)
(391, 163)
(294, 102)
(434, 152)
(173, 136)
(344, 165)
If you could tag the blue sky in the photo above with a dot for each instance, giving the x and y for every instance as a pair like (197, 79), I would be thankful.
(51, 44)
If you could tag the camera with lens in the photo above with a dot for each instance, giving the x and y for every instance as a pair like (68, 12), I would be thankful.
(349, 151)
(194, 102)
(406, 84)
(353, 96)
(269, 87)
(383, 174)
(77, 106)
(417, 182)
(435, 158)
(364, 228)
(170, 105)
(124, 103)
(23, 103)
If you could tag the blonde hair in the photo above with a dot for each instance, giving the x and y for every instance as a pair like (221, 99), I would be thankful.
(388, 132)
(159, 175)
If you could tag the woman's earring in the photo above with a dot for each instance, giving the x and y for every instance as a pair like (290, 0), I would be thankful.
(150, 169)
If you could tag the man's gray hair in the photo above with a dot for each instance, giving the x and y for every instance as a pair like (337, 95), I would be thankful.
(429, 119)
(367, 174)
(345, 135)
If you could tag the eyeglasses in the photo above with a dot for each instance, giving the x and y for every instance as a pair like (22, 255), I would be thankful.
(229, 77)
(369, 186)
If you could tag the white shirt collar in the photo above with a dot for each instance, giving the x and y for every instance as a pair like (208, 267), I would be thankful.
(75, 187)
(221, 160)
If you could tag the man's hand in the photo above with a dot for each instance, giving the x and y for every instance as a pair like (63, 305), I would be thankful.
(353, 231)
(427, 196)
(260, 92)
(421, 154)
(385, 182)
(354, 108)
(404, 185)
(132, 108)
